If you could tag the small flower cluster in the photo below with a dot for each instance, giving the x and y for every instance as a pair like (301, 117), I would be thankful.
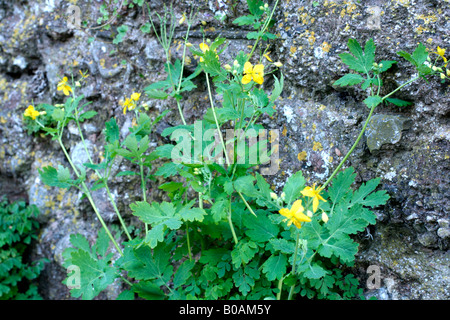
(296, 214)
(130, 103)
(443, 74)
(32, 113)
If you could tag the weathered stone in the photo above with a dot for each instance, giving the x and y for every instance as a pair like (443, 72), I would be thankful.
(383, 129)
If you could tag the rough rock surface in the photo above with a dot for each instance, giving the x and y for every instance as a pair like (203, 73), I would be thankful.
(408, 147)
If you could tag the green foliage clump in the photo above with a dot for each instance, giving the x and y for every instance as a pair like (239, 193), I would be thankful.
(18, 228)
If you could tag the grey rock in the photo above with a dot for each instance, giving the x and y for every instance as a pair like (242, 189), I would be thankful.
(383, 129)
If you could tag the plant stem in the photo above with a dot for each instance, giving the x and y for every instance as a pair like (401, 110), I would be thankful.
(144, 192)
(291, 291)
(111, 199)
(362, 133)
(89, 196)
(231, 226)
(264, 28)
(215, 119)
(188, 242)
(280, 287)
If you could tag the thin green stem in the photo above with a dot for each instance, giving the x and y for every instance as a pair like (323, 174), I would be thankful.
(246, 204)
(280, 287)
(111, 199)
(264, 28)
(291, 291)
(362, 133)
(144, 192)
(231, 225)
(188, 242)
(215, 119)
(89, 196)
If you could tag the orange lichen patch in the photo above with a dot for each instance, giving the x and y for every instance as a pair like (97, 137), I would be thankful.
(302, 156)
(326, 46)
(317, 146)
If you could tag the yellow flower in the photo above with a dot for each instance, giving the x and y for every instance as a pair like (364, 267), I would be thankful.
(267, 57)
(183, 18)
(295, 215)
(448, 72)
(64, 87)
(135, 96)
(31, 112)
(441, 52)
(84, 75)
(314, 193)
(255, 73)
(278, 64)
(127, 104)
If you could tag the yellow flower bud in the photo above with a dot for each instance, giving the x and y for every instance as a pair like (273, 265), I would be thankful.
(203, 22)
(188, 44)
(227, 67)
(442, 76)
(273, 195)
(324, 217)
(448, 72)
(309, 213)
(183, 18)
(278, 64)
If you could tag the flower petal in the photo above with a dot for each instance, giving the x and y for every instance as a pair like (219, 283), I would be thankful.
(258, 78)
(259, 69)
(246, 79)
(285, 212)
(248, 68)
(297, 207)
(308, 192)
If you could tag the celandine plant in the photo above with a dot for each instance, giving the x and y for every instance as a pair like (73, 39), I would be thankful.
(224, 234)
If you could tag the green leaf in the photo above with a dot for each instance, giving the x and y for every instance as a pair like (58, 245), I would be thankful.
(341, 184)
(312, 270)
(245, 20)
(156, 213)
(283, 246)
(121, 32)
(112, 131)
(420, 55)
(148, 265)
(213, 256)
(95, 273)
(399, 102)
(349, 80)
(254, 7)
(87, 115)
(369, 54)
(156, 94)
(183, 273)
(275, 267)
(50, 176)
(277, 88)
(373, 101)
(148, 290)
(293, 186)
(408, 57)
(260, 228)
(63, 174)
(243, 252)
(364, 195)
(244, 278)
(386, 65)
(245, 186)
(192, 214)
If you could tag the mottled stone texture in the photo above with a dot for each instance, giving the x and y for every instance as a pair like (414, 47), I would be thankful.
(408, 147)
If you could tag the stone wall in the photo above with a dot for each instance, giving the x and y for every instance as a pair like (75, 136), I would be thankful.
(408, 147)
